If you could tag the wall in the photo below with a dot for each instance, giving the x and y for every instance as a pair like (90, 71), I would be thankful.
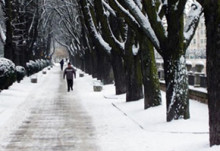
(193, 94)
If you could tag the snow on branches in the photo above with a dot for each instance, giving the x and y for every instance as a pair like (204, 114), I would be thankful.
(192, 20)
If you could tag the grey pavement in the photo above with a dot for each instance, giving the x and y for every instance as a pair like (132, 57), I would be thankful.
(57, 123)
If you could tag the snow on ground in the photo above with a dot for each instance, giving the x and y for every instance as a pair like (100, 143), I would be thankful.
(119, 125)
(16, 102)
(127, 126)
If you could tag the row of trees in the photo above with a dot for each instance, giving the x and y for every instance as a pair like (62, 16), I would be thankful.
(27, 30)
(121, 36)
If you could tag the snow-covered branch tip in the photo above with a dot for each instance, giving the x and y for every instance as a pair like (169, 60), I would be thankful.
(144, 22)
(109, 8)
(3, 2)
(2, 35)
(64, 45)
(126, 13)
(96, 35)
(192, 20)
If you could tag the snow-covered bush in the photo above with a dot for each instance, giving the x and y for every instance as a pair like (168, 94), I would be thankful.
(42, 63)
(39, 64)
(36, 66)
(32, 67)
(47, 63)
(20, 73)
(7, 73)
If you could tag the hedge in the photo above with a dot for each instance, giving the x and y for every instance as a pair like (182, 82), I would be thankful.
(7, 73)
(36, 66)
(20, 73)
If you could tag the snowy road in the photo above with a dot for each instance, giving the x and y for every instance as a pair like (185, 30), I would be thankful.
(56, 122)
(44, 117)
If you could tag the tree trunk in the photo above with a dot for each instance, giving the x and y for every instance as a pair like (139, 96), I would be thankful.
(212, 20)
(88, 61)
(8, 49)
(106, 71)
(82, 63)
(119, 73)
(176, 88)
(175, 66)
(94, 64)
(76, 61)
(104, 67)
(152, 95)
(133, 70)
(134, 79)
(23, 59)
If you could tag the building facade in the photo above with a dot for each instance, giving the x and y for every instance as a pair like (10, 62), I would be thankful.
(197, 47)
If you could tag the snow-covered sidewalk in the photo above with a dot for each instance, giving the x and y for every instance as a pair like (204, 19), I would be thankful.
(128, 127)
(48, 118)
(118, 125)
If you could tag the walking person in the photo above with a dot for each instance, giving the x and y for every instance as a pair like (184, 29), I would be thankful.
(61, 64)
(69, 72)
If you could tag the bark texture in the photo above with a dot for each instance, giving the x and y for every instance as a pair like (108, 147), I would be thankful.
(152, 96)
(175, 64)
(133, 71)
(212, 21)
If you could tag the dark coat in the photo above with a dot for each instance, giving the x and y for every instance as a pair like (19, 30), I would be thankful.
(69, 72)
(62, 62)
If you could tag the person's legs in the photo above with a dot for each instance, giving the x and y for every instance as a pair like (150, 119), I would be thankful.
(68, 85)
(71, 84)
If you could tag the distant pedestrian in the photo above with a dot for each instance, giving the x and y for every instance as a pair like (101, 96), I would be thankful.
(61, 64)
(69, 72)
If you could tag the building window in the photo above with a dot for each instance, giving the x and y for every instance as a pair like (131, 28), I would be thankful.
(194, 41)
(202, 32)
